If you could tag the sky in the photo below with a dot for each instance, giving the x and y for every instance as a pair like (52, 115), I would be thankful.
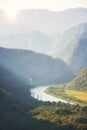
(53, 5)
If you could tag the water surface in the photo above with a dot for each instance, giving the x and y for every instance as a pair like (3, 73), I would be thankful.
(39, 94)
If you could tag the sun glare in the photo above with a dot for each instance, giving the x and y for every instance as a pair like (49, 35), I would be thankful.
(11, 13)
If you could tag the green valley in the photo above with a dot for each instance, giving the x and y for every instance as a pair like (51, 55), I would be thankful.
(18, 110)
(75, 91)
(43, 65)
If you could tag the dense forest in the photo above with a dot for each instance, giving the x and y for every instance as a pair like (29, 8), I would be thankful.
(40, 68)
(18, 110)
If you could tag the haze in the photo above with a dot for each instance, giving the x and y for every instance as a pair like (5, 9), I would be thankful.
(54, 5)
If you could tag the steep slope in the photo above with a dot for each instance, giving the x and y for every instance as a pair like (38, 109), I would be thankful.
(75, 91)
(72, 47)
(14, 86)
(39, 69)
(78, 60)
(25, 37)
(16, 104)
(79, 83)
(14, 99)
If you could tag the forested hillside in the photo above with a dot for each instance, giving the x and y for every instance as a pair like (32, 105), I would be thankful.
(79, 83)
(19, 111)
(75, 90)
(35, 68)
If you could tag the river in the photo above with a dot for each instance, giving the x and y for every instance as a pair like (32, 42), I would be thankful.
(39, 94)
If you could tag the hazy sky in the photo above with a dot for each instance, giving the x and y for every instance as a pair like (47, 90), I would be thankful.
(55, 5)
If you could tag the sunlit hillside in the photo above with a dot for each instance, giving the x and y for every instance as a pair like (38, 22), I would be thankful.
(76, 90)
(43, 65)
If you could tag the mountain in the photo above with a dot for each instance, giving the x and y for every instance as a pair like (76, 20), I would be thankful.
(16, 104)
(25, 37)
(14, 86)
(79, 83)
(14, 99)
(35, 68)
(37, 29)
(78, 60)
(75, 91)
(17, 114)
(47, 21)
(72, 47)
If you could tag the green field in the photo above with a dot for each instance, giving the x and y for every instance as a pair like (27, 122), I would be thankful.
(74, 91)
(74, 96)
(79, 95)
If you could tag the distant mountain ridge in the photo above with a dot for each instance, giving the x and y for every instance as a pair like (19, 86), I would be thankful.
(78, 60)
(38, 29)
(25, 37)
(38, 68)
(48, 21)
(72, 47)
(79, 83)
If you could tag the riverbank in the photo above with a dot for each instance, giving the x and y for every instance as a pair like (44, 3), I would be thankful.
(68, 95)
(40, 94)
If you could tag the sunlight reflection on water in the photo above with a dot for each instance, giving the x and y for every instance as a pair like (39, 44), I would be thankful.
(39, 94)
